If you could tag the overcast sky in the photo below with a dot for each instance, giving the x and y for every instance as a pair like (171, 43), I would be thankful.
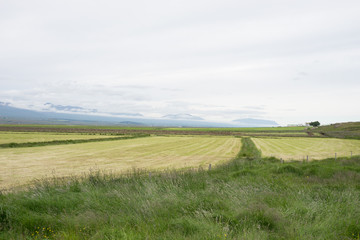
(288, 61)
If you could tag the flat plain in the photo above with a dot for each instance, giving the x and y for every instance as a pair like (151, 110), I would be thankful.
(299, 148)
(19, 165)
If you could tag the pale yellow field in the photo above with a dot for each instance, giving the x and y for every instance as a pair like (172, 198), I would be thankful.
(22, 137)
(299, 148)
(19, 165)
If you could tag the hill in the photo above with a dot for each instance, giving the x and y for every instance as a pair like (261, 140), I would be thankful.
(350, 130)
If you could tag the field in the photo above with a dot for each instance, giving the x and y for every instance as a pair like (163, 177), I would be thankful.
(243, 199)
(19, 165)
(159, 186)
(22, 137)
(300, 148)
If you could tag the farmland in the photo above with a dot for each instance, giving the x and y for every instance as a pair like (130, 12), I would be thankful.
(23, 164)
(159, 186)
(22, 137)
(274, 131)
(245, 198)
(300, 148)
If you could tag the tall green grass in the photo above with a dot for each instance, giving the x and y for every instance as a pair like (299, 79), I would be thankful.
(247, 198)
(248, 149)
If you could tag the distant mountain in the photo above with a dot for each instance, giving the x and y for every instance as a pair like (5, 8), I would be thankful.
(131, 123)
(11, 112)
(251, 122)
(12, 115)
(182, 117)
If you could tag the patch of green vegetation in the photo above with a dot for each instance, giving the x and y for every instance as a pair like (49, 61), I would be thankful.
(247, 198)
(248, 149)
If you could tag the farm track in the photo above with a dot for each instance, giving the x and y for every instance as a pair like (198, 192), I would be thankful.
(156, 132)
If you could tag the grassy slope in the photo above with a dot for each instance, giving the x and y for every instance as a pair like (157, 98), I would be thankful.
(340, 130)
(249, 198)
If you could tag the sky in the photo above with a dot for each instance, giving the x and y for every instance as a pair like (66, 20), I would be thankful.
(288, 61)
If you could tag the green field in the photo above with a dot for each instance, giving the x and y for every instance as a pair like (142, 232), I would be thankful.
(23, 137)
(19, 165)
(300, 148)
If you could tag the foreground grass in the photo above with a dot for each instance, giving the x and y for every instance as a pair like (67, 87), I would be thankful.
(244, 199)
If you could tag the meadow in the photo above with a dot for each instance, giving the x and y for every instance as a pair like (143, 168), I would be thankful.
(20, 165)
(306, 148)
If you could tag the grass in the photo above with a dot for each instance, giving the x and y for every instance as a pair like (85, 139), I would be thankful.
(300, 148)
(349, 130)
(247, 198)
(23, 137)
(248, 150)
(20, 165)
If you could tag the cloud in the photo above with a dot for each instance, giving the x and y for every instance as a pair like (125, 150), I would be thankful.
(213, 59)
(52, 107)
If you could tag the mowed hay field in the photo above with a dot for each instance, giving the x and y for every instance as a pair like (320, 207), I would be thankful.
(23, 137)
(298, 148)
(20, 165)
